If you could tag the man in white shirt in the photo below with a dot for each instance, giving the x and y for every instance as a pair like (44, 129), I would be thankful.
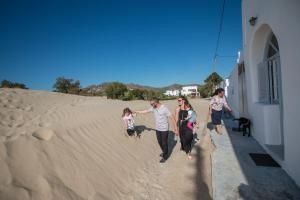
(162, 116)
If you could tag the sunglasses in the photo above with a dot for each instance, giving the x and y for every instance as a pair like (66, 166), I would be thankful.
(179, 100)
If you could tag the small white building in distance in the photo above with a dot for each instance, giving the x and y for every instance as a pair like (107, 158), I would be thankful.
(190, 91)
(172, 93)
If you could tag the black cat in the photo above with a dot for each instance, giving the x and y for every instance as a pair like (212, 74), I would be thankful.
(244, 124)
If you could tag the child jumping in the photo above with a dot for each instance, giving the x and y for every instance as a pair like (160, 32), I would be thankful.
(128, 118)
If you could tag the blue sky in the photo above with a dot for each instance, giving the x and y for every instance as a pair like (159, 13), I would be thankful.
(147, 42)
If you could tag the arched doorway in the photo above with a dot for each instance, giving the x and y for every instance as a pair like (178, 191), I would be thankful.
(270, 92)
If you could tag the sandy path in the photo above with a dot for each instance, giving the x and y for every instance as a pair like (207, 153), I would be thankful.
(79, 151)
(180, 178)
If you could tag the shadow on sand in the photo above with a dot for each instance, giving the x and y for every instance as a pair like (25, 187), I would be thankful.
(171, 143)
(210, 126)
(202, 191)
(201, 151)
(140, 129)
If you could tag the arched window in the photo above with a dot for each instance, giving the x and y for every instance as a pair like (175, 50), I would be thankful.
(269, 73)
(273, 69)
(273, 48)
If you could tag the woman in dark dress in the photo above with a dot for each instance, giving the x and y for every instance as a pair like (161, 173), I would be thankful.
(185, 133)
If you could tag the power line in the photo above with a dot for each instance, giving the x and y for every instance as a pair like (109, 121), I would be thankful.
(225, 56)
(219, 34)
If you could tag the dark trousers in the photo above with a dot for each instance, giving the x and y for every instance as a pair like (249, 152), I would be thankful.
(162, 138)
(186, 139)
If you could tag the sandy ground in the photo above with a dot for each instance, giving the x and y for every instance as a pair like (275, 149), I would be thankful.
(58, 146)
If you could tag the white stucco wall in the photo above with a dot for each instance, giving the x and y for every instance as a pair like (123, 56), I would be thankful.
(282, 17)
(233, 92)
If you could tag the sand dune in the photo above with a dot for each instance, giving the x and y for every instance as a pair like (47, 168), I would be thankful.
(58, 146)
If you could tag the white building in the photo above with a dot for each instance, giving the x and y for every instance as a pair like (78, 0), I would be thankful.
(172, 93)
(190, 91)
(237, 90)
(264, 83)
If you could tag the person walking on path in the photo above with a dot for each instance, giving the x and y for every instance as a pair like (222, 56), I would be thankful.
(216, 105)
(162, 116)
(185, 133)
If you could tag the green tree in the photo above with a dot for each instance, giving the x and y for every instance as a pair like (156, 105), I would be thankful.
(115, 90)
(205, 90)
(74, 87)
(138, 94)
(19, 85)
(211, 82)
(150, 94)
(6, 84)
(65, 85)
(9, 84)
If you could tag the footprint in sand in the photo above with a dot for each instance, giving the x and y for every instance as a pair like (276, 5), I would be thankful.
(2, 115)
(4, 131)
(10, 106)
(17, 101)
(16, 117)
(43, 134)
(2, 123)
(27, 108)
(11, 137)
(45, 124)
(17, 124)
(14, 120)
(4, 101)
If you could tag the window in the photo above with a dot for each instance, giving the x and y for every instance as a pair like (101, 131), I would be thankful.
(268, 74)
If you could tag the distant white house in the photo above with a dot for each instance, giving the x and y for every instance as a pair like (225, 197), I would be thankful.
(264, 83)
(190, 91)
(172, 93)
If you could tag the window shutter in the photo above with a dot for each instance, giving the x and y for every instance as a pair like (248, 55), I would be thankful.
(263, 93)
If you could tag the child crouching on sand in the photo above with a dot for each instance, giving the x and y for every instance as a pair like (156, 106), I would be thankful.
(128, 118)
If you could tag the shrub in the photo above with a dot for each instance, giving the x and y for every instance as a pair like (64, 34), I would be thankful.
(65, 85)
(138, 94)
(115, 90)
(205, 90)
(9, 84)
(74, 88)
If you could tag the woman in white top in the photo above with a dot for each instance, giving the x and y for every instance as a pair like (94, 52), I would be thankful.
(216, 105)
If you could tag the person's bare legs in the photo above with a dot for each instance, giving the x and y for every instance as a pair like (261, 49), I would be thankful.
(189, 155)
(219, 129)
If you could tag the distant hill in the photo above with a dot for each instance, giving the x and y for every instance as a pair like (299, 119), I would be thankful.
(100, 88)
(174, 86)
